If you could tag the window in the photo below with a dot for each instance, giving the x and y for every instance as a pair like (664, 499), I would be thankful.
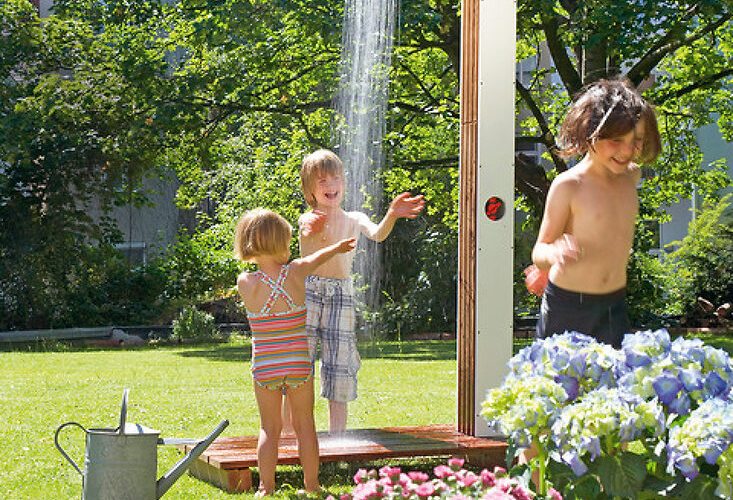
(135, 251)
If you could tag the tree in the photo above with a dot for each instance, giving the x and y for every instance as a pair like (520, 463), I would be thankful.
(76, 131)
(230, 94)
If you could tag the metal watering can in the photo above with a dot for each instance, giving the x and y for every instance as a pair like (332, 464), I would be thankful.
(122, 463)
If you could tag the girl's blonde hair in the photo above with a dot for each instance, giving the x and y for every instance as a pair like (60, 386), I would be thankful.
(261, 232)
(608, 109)
(317, 164)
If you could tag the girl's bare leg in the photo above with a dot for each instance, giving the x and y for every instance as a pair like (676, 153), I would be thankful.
(270, 406)
(301, 412)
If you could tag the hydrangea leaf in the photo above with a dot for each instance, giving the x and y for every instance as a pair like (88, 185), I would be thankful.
(701, 488)
(622, 475)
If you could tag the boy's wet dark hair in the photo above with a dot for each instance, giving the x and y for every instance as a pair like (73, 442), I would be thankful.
(607, 109)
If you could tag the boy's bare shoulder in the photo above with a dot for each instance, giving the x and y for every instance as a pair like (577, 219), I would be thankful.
(568, 181)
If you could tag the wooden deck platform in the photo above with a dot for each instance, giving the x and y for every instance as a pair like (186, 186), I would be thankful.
(227, 462)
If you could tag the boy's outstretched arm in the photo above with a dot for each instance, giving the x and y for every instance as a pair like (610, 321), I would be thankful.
(554, 245)
(404, 206)
(310, 262)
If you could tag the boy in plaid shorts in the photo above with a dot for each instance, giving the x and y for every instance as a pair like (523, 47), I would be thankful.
(329, 290)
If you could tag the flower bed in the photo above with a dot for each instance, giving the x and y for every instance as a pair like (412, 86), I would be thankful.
(450, 481)
(652, 419)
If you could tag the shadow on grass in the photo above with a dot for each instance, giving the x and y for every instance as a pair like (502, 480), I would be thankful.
(223, 352)
(432, 350)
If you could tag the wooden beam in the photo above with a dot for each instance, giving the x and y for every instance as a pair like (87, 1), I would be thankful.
(467, 211)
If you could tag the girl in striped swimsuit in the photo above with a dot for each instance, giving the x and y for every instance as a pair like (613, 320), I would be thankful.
(274, 297)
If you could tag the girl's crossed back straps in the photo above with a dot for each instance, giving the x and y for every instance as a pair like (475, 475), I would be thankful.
(278, 290)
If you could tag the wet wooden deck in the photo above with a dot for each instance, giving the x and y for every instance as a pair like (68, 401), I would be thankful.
(227, 462)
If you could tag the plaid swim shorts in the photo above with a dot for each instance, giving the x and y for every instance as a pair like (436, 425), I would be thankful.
(331, 321)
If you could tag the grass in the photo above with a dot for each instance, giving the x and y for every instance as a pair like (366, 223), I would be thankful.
(185, 391)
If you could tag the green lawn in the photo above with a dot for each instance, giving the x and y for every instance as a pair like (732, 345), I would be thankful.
(185, 391)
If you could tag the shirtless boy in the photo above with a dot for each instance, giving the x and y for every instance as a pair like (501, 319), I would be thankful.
(587, 231)
(329, 290)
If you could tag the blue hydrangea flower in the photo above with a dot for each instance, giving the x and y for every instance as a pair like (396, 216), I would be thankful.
(706, 434)
(681, 374)
(523, 409)
(575, 361)
(604, 418)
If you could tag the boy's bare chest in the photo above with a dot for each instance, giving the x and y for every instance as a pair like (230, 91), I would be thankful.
(599, 209)
(338, 228)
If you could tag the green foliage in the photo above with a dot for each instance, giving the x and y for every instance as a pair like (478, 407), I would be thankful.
(647, 289)
(701, 263)
(78, 286)
(195, 268)
(231, 95)
(193, 324)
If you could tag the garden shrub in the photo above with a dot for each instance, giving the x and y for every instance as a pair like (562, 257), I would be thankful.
(419, 288)
(78, 285)
(193, 324)
(702, 263)
(199, 265)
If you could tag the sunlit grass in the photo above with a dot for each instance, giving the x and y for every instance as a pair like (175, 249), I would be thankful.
(185, 391)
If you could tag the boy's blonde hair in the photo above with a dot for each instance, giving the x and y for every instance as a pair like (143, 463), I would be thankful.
(261, 232)
(317, 164)
(608, 109)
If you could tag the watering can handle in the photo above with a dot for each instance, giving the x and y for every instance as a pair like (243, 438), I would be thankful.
(123, 412)
(61, 450)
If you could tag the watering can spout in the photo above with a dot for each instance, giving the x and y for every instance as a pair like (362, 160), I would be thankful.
(170, 477)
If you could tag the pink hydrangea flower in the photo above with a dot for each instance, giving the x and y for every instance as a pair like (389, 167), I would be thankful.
(504, 484)
(393, 473)
(521, 493)
(360, 476)
(424, 490)
(467, 479)
(554, 494)
(456, 463)
(488, 478)
(366, 490)
(442, 471)
(418, 477)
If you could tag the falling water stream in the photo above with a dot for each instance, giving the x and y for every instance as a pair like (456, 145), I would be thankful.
(361, 105)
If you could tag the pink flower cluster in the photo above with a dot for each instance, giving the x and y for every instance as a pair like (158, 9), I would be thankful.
(450, 481)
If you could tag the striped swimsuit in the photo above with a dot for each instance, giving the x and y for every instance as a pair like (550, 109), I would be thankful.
(280, 357)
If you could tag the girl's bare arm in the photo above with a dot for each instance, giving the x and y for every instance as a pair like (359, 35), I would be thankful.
(305, 265)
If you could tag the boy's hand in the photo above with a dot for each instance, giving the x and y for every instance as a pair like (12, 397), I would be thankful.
(566, 249)
(312, 222)
(346, 245)
(407, 206)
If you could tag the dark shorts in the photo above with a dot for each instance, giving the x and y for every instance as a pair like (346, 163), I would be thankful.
(603, 316)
